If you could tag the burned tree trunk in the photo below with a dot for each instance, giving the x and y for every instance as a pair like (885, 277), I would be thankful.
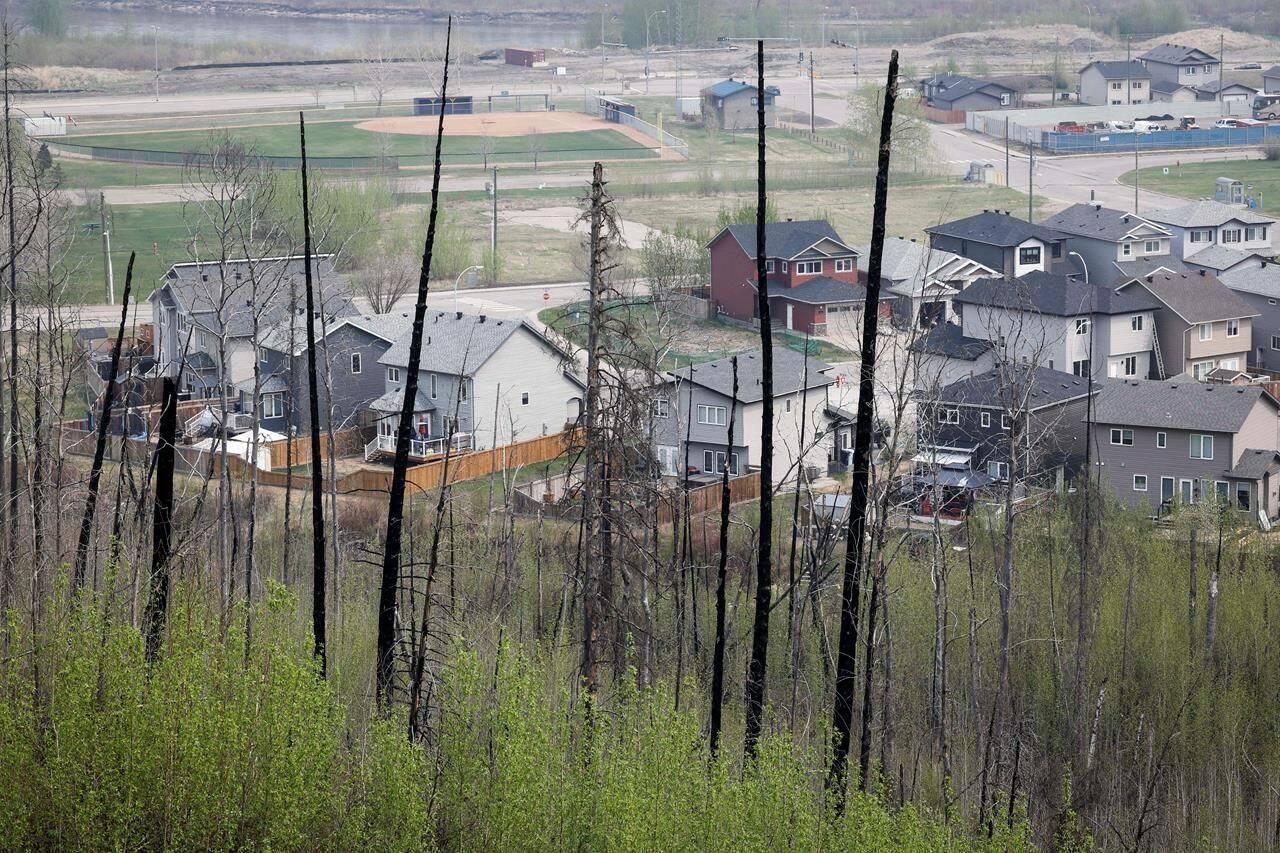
(592, 477)
(764, 555)
(395, 502)
(846, 663)
(717, 660)
(162, 520)
(104, 430)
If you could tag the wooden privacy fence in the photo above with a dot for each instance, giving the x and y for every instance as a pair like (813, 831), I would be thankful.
(707, 498)
(346, 442)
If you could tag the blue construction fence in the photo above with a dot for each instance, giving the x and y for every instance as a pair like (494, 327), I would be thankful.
(1224, 137)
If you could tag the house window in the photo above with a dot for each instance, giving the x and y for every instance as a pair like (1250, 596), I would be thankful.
(788, 404)
(1205, 331)
(1029, 255)
(1151, 247)
(1116, 86)
(1220, 489)
(1055, 250)
(713, 415)
(1139, 482)
(1004, 422)
(1122, 437)
(768, 265)
(1231, 235)
(1137, 84)
(1136, 322)
(1233, 328)
(1191, 71)
(1162, 439)
(784, 266)
(431, 380)
(463, 389)
(273, 405)
(1275, 342)
(713, 462)
(1080, 368)
(1201, 446)
(998, 470)
(986, 419)
(1126, 249)
(808, 267)
(355, 363)
(661, 407)
(1130, 365)
(524, 398)
(1244, 496)
(1207, 69)
(948, 416)
(1255, 232)
(1201, 369)
(1200, 235)
(844, 264)
(1082, 325)
(393, 374)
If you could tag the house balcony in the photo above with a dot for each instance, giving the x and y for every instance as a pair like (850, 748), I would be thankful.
(418, 448)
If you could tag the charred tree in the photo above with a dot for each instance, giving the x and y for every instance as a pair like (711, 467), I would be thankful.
(162, 520)
(717, 660)
(593, 466)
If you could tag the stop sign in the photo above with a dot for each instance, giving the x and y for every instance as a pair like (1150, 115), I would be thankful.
(546, 295)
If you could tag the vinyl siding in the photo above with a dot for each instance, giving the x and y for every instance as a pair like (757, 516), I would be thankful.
(524, 364)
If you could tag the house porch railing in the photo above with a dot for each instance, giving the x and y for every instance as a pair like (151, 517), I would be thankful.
(418, 447)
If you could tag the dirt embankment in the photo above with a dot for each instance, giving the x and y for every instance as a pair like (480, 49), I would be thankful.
(536, 11)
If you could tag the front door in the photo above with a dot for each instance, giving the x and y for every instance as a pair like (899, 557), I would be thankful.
(790, 314)
(1186, 491)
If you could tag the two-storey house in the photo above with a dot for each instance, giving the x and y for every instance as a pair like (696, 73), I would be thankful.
(944, 354)
(924, 280)
(1200, 324)
(1032, 417)
(1102, 243)
(1111, 82)
(1063, 324)
(484, 381)
(1001, 242)
(812, 274)
(205, 315)
(1203, 224)
(1257, 282)
(1180, 64)
(691, 416)
(1161, 443)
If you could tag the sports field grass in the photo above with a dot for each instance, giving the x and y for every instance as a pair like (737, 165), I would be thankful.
(344, 139)
(1195, 180)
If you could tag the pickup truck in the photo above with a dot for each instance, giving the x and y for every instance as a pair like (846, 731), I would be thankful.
(1070, 127)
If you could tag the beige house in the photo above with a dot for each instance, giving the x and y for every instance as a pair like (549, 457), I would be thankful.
(1112, 83)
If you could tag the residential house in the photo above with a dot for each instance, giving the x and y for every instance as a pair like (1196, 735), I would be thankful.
(1001, 242)
(205, 315)
(1201, 224)
(731, 105)
(691, 416)
(1271, 80)
(1219, 259)
(1061, 323)
(957, 93)
(1115, 82)
(1162, 443)
(484, 381)
(1258, 283)
(1171, 91)
(981, 423)
(350, 378)
(923, 279)
(1101, 241)
(1180, 63)
(1200, 325)
(943, 354)
(812, 275)
(1227, 92)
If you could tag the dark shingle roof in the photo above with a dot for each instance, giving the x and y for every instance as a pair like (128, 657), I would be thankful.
(1273, 71)
(996, 229)
(1262, 278)
(454, 344)
(1120, 69)
(1179, 404)
(1254, 464)
(1211, 87)
(1207, 213)
(1048, 293)
(1195, 298)
(1168, 87)
(1003, 389)
(90, 333)
(783, 239)
(1219, 257)
(1178, 54)
(788, 365)
(948, 339)
(824, 289)
(951, 87)
(725, 88)
(1094, 220)
(1145, 266)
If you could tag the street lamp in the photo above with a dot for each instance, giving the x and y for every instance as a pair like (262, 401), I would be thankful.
(647, 44)
(1083, 265)
(155, 35)
(456, 281)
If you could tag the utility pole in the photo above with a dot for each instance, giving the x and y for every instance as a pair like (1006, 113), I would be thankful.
(1053, 99)
(493, 239)
(812, 130)
(603, 9)
(1128, 57)
(155, 33)
(106, 249)
(1031, 179)
(1222, 61)
(1007, 176)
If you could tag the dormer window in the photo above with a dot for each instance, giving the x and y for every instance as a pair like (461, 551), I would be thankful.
(1029, 255)
(844, 264)
(808, 267)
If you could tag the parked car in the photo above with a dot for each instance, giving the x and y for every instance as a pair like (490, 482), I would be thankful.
(1226, 124)
(1248, 66)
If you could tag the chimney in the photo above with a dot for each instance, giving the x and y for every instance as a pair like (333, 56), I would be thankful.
(1202, 273)
(481, 318)
(459, 316)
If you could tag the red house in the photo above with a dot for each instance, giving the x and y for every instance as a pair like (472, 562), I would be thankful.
(811, 272)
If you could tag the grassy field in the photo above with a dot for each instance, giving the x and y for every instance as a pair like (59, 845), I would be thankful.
(156, 231)
(95, 174)
(1195, 180)
(343, 139)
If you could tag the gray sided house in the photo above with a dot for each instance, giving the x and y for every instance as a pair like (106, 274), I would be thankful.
(731, 105)
(1228, 92)
(205, 314)
(1063, 324)
(1102, 242)
(1032, 415)
(1201, 324)
(487, 381)
(1106, 82)
(1271, 80)
(1180, 63)
(1258, 283)
(955, 92)
(922, 279)
(1001, 242)
(350, 377)
(691, 416)
(943, 355)
(1202, 224)
(1161, 443)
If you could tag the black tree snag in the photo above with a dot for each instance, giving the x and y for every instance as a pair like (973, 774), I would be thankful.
(717, 662)
(162, 520)
(404, 433)
(855, 544)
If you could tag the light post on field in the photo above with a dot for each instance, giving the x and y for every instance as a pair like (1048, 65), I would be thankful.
(155, 36)
(456, 281)
(648, 44)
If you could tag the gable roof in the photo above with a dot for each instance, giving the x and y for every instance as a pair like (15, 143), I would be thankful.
(1119, 69)
(1261, 277)
(1195, 298)
(457, 343)
(999, 389)
(952, 87)
(1255, 463)
(1102, 223)
(1211, 87)
(948, 340)
(385, 327)
(1219, 257)
(1049, 293)
(823, 289)
(788, 365)
(1208, 214)
(1178, 404)
(1177, 54)
(1169, 87)
(1142, 267)
(785, 239)
(727, 88)
(1273, 71)
(995, 229)
(908, 265)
